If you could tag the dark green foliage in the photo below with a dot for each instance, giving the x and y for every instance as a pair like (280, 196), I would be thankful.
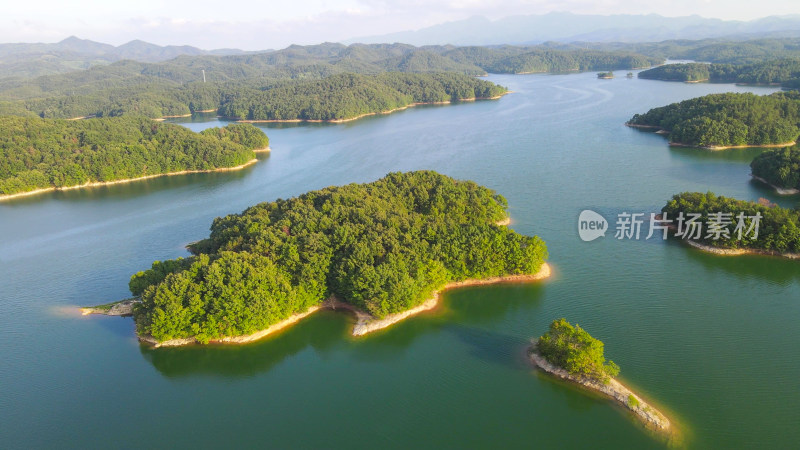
(383, 247)
(780, 168)
(729, 119)
(777, 231)
(677, 72)
(574, 350)
(43, 153)
(349, 95)
(716, 50)
(767, 72)
(176, 87)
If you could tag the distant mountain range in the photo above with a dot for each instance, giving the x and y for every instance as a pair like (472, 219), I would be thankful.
(31, 60)
(568, 27)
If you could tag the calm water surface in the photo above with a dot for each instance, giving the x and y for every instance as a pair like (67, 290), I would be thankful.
(712, 340)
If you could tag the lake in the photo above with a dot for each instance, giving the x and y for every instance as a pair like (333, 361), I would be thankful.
(711, 340)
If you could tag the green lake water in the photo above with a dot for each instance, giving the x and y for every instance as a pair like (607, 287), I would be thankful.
(711, 340)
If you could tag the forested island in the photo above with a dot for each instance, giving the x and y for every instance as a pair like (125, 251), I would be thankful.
(42, 154)
(779, 168)
(605, 75)
(785, 72)
(350, 96)
(569, 352)
(778, 228)
(381, 249)
(719, 121)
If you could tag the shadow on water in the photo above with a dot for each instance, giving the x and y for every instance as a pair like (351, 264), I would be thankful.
(139, 188)
(773, 269)
(323, 332)
(490, 304)
(490, 346)
(329, 330)
(692, 154)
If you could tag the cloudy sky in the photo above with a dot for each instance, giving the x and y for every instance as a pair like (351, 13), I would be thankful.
(252, 25)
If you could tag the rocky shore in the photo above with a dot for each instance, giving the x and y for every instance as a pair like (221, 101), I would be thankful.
(779, 190)
(365, 322)
(650, 416)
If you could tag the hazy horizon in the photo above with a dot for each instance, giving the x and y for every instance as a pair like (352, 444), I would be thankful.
(257, 26)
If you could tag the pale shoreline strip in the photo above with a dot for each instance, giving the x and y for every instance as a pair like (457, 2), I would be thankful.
(730, 251)
(360, 116)
(368, 324)
(130, 180)
(650, 416)
(739, 251)
(779, 190)
(662, 130)
(365, 322)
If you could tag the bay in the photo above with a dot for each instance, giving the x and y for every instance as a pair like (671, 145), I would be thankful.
(710, 339)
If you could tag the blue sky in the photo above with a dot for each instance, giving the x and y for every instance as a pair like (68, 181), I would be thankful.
(263, 24)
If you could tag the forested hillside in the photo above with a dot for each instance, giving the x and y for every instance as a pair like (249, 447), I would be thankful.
(43, 153)
(383, 247)
(730, 119)
(176, 87)
(778, 228)
(347, 96)
(780, 168)
(780, 71)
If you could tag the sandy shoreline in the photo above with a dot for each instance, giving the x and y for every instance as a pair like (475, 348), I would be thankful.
(650, 416)
(365, 322)
(739, 251)
(726, 147)
(350, 119)
(779, 190)
(730, 251)
(661, 130)
(129, 180)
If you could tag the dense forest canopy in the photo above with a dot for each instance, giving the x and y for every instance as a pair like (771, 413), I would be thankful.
(714, 50)
(333, 97)
(728, 119)
(383, 247)
(778, 71)
(350, 95)
(576, 351)
(778, 228)
(780, 168)
(176, 87)
(43, 153)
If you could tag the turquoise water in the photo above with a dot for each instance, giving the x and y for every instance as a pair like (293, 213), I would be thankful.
(712, 340)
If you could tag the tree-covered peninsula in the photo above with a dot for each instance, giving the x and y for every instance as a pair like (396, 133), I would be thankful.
(779, 168)
(348, 96)
(44, 153)
(785, 71)
(728, 120)
(378, 248)
(571, 353)
(719, 226)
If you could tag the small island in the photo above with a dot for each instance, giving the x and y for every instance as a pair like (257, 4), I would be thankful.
(780, 169)
(722, 121)
(382, 251)
(605, 75)
(40, 155)
(570, 353)
(778, 228)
